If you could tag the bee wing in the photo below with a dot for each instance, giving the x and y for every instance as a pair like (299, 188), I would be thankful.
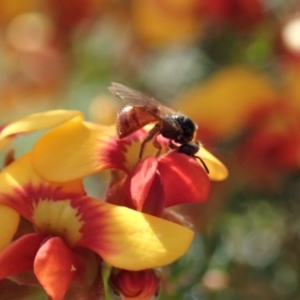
(144, 102)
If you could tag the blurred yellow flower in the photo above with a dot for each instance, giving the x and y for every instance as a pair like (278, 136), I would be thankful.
(219, 105)
(165, 22)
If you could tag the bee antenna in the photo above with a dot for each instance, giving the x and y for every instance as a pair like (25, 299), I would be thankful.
(203, 164)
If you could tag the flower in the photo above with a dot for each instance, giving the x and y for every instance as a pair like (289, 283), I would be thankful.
(240, 14)
(176, 22)
(135, 285)
(67, 223)
(72, 229)
(271, 147)
(148, 185)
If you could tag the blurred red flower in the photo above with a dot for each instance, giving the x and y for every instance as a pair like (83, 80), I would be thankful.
(240, 14)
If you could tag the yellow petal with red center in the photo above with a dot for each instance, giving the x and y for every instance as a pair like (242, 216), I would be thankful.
(39, 121)
(217, 170)
(222, 102)
(9, 221)
(73, 150)
(130, 240)
(58, 217)
(54, 267)
(124, 238)
(24, 191)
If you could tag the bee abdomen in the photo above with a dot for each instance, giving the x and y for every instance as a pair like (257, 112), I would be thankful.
(131, 119)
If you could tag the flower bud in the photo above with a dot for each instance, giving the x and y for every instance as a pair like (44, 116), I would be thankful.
(136, 285)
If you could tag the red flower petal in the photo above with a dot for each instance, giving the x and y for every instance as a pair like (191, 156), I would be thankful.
(142, 179)
(141, 191)
(154, 203)
(145, 186)
(184, 181)
(241, 14)
(19, 255)
(54, 267)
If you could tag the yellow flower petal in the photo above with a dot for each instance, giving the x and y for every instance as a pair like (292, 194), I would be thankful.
(130, 240)
(217, 170)
(71, 151)
(223, 101)
(9, 221)
(175, 21)
(38, 121)
(153, 242)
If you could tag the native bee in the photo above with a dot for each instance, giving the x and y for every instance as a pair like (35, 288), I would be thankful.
(141, 110)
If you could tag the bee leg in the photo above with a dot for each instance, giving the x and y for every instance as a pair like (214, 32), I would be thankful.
(157, 145)
(154, 131)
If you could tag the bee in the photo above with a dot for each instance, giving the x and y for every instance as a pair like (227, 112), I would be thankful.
(141, 110)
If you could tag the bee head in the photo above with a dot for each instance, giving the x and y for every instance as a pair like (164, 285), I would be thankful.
(188, 128)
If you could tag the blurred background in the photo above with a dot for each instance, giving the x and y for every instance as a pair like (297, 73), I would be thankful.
(233, 66)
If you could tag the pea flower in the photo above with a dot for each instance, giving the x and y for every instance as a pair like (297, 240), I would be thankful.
(148, 185)
(9, 218)
(136, 285)
(67, 223)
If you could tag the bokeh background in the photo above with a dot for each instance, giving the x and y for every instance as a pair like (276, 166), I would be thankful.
(233, 66)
